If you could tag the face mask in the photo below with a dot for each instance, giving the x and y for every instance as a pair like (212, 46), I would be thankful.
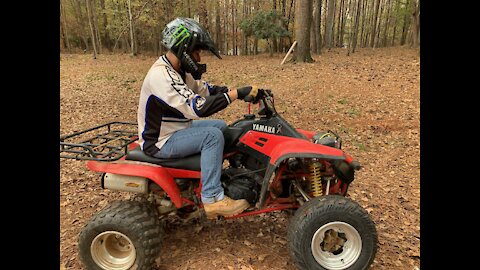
(202, 68)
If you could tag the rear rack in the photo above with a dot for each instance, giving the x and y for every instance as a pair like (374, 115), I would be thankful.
(107, 142)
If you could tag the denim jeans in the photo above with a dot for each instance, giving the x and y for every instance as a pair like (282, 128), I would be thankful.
(205, 137)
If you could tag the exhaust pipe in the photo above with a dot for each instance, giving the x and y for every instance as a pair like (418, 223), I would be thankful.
(127, 183)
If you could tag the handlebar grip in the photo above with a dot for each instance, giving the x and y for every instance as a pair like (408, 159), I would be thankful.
(248, 98)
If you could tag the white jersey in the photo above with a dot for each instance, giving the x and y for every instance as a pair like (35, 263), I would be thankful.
(169, 102)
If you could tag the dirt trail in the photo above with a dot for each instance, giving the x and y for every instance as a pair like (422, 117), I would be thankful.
(371, 98)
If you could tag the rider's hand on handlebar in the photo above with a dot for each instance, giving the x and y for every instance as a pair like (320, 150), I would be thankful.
(250, 91)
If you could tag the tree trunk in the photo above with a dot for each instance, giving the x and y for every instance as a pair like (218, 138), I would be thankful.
(81, 22)
(288, 20)
(316, 25)
(63, 27)
(203, 14)
(416, 24)
(95, 26)
(382, 9)
(387, 23)
(106, 36)
(329, 25)
(255, 40)
(354, 34)
(282, 40)
(246, 8)
(234, 29)
(406, 24)
(218, 30)
(274, 39)
(339, 24)
(363, 17)
(394, 23)
(89, 14)
(313, 36)
(132, 36)
(374, 25)
(303, 11)
(225, 27)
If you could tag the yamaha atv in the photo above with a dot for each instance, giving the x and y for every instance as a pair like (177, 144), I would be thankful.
(268, 162)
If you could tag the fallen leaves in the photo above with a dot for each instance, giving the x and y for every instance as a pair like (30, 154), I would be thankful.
(371, 98)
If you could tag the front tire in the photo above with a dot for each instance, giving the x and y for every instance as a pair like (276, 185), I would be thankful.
(124, 235)
(332, 233)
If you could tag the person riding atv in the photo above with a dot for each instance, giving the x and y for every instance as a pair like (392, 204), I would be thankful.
(173, 97)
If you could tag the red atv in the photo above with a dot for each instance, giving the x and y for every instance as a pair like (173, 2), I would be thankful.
(271, 164)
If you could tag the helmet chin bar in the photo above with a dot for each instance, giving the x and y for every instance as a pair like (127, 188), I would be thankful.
(189, 65)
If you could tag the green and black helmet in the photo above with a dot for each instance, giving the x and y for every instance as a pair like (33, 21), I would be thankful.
(184, 35)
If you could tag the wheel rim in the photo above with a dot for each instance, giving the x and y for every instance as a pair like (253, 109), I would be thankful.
(336, 245)
(113, 250)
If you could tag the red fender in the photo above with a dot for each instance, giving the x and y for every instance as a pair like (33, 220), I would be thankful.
(276, 147)
(164, 177)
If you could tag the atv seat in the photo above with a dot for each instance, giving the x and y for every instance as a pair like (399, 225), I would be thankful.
(191, 163)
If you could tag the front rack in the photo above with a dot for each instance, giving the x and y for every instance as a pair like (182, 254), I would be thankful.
(107, 142)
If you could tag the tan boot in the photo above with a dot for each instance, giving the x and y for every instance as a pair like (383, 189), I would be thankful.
(226, 207)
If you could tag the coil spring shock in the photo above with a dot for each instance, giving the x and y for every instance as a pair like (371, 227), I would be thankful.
(315, 178)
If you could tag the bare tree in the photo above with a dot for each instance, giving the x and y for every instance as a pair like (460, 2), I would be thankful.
(374, 24)
(303, 10)
(89, 14)
(416, 23)
(329, 24)
(63, 26)
(106, 36)
(354, 32)
(203, 14)
(218, 30)
(130, 23)
(316, 25)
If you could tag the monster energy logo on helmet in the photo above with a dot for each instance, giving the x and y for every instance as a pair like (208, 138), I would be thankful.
(182, 33)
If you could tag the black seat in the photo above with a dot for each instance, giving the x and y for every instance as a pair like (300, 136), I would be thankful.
(191, 163)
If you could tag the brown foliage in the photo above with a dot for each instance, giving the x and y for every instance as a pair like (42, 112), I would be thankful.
(371, 98)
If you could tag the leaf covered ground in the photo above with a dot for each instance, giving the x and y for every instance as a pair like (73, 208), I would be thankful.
(370, 98)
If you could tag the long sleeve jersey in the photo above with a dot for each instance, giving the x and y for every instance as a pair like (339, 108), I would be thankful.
(169, 102)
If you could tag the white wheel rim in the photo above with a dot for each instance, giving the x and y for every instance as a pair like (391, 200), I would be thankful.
(330, 249)
(113, 250)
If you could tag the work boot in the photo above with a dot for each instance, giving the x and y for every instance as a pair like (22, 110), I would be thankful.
(226, 207)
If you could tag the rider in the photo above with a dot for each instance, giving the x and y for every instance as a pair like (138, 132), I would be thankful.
(173, 97)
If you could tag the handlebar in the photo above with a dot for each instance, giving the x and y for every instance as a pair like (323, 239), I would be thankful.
(265, 96)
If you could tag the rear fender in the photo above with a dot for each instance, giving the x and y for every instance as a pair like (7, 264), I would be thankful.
(162, 176)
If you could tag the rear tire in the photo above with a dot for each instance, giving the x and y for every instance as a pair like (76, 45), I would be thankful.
(124, 235)
(332, 233)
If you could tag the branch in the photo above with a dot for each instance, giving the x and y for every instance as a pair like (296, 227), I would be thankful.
(126, 25)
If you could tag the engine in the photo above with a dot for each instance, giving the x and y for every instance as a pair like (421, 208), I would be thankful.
(241, 183)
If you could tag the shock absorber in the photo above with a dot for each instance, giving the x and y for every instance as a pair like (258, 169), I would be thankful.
(315, 178)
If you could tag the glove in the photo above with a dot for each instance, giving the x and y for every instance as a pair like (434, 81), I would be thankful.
(245, 91)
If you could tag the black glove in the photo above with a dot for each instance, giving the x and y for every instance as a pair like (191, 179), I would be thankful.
(247, 91)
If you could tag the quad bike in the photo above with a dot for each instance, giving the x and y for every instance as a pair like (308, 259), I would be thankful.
(271, 164)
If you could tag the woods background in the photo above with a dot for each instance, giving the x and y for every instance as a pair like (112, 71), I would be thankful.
(240, 27)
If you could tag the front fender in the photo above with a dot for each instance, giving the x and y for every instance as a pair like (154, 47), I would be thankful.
(164, 177)
(278, 148)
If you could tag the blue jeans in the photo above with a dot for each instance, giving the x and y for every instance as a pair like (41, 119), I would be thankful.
(205, 137)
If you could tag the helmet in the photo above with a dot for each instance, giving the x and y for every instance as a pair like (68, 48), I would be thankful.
(184, 35)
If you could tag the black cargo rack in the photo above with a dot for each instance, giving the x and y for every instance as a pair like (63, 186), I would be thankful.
(107, 142)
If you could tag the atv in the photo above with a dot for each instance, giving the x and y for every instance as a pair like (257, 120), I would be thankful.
(267, 161)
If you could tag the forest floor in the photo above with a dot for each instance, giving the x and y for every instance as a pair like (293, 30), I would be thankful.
(371, 98)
